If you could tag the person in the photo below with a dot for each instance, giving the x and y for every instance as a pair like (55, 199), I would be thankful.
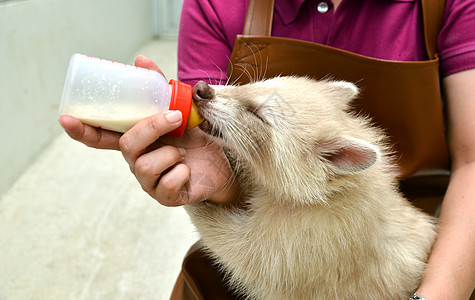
(172, 171)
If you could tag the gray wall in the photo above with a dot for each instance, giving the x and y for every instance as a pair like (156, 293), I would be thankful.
(167, 17)
(37, 39)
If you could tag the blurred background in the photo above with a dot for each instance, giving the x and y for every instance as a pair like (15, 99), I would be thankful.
(74, 223)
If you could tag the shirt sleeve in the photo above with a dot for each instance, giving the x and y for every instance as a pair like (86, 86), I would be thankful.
(205, 39)
(456, 41)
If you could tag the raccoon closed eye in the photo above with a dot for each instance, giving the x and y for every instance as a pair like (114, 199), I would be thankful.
(256, 112)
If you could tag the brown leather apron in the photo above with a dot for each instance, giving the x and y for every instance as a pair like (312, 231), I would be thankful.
(403, 98)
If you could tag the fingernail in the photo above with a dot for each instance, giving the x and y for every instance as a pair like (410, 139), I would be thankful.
(173, 116)
(182, 152)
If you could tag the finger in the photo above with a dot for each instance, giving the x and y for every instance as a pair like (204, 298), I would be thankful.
(88, 135)
(150, 166)
(170, 189)
(147, 63)
(135, 141)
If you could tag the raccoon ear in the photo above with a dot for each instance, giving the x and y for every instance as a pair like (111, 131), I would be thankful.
(347, 89)
(349, 155)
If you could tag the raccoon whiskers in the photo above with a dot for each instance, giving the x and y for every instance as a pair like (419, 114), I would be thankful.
(258, 69)
(258, 66)
(246, 72)
(242, 140)
(212, 81)
(207, 75)
(221, 75)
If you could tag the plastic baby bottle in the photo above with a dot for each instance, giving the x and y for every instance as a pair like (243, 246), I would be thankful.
(115, 96)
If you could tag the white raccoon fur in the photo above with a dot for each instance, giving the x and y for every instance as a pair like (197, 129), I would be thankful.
(323, 217)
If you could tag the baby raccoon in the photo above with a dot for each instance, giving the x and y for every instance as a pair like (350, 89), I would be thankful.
(323, 218)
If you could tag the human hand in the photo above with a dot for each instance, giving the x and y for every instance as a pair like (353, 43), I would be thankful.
(177, 171)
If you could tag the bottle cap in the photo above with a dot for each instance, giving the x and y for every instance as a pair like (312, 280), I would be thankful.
(182, 94)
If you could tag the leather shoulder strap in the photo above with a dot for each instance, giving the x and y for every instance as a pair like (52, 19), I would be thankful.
(433, 15)
(260, 16)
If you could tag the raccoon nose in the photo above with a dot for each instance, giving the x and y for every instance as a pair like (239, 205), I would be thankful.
(202, 92)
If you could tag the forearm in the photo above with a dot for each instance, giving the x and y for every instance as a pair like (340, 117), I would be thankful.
(451, 267)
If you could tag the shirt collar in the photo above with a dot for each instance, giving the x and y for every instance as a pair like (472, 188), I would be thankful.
(288, 9)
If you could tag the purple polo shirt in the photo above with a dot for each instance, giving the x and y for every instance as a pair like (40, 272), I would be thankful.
(384, 29)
